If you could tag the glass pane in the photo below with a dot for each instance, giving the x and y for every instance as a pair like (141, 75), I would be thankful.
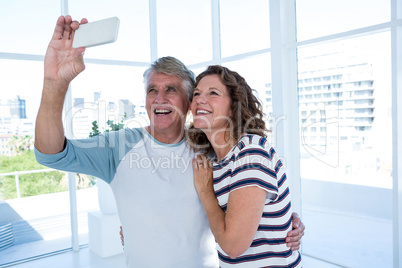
(346, 150)
(105, 92)
(132, 43)
(184, 30)
(320, 18)
(27, 26)
(258, 77)
(28, 89)
(244, 26)
(39, 221)
(102, 93)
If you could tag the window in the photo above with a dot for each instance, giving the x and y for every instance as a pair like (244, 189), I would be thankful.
(367, 93)
(132, 43)
(344, 79)
(250, 33)
(41, 14)
(327, 16)
(256, 78)
(108, 99)
(27, 221)
(189, 25)
(349, 157)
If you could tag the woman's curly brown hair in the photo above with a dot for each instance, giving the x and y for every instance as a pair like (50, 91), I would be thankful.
(246, 109)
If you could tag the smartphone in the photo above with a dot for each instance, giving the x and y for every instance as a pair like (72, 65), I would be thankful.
(97, 33)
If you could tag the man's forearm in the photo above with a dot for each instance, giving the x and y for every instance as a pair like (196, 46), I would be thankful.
(49, 132)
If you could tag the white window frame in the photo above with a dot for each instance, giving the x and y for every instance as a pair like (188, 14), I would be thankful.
(396, 55)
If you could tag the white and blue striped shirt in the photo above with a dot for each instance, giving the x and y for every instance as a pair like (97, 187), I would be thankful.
(253, 162)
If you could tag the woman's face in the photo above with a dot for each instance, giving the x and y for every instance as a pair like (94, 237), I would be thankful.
(211, 105)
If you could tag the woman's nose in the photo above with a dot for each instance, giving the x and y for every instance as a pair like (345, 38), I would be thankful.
(200, 99)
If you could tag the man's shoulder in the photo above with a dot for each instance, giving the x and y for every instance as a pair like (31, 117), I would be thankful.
(128, 134)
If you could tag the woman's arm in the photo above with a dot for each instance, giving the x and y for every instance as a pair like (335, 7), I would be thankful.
(234, 230)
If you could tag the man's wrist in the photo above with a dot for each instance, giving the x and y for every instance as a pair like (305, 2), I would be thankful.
(55, 85)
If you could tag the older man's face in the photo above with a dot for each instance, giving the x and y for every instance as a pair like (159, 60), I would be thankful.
(166, 102)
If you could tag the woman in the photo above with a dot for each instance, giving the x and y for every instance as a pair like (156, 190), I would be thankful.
(247, 201)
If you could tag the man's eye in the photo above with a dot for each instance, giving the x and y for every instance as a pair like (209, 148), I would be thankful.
(196, 94)
(151, 90)
(171, 89)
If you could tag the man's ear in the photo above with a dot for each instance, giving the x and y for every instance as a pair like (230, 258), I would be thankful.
(189, 107)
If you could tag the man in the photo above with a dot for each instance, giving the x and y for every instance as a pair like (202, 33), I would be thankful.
(149, 169)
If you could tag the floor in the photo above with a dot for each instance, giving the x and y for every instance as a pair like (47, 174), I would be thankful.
(351, 241)
(341, 240)
(85, 258)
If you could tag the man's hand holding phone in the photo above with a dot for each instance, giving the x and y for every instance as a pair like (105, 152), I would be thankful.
(62, 62)
(64, 56)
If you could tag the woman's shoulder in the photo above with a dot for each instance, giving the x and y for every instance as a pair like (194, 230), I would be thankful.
(252, 148)
(252, 141)
(252, 144)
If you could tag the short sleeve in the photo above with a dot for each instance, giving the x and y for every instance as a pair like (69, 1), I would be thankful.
(256, 166)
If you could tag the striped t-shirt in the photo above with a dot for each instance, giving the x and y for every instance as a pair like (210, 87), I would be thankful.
(253, 162)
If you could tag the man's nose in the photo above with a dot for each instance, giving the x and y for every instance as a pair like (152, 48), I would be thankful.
(160, 98)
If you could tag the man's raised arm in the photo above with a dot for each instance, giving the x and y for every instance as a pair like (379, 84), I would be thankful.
(62, 64)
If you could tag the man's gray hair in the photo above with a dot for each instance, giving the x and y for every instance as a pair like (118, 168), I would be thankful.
(172, 66)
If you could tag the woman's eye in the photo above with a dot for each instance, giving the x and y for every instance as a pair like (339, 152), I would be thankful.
(214, 93)
(196, 94)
